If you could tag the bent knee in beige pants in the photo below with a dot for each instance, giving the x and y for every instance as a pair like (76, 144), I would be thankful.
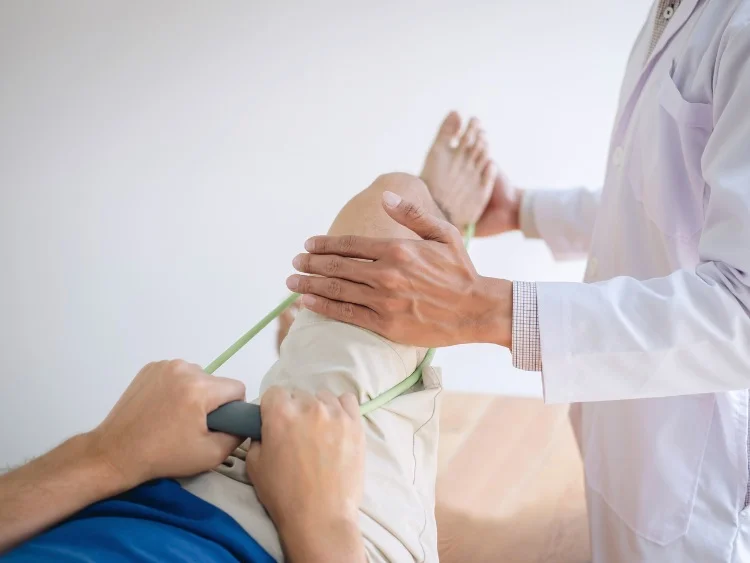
(397, 516)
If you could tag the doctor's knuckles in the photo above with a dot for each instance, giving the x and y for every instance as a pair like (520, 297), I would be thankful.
(419, 292)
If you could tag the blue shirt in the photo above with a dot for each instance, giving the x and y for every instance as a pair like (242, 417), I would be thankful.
(156, 522)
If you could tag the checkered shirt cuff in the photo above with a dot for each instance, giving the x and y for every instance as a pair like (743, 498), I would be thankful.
(525, 344)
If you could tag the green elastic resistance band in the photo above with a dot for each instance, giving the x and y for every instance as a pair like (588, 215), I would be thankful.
(365, 407)
(250, 334)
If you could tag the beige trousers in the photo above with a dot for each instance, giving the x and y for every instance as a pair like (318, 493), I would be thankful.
(397, 516)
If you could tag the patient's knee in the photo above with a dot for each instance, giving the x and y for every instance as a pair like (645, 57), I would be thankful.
(364, 214)
(406, 185)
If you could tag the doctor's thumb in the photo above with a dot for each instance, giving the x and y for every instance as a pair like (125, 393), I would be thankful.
(417, 219)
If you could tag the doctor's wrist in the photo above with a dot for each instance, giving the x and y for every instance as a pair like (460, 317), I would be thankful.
(493, 303)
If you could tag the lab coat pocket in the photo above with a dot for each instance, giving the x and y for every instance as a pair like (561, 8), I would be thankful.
(665, 170)
(644, 457)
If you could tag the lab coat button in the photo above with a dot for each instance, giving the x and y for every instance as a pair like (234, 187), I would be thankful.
(618, 156)
(668, 13)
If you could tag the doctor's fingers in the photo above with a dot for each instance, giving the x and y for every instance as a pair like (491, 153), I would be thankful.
(333, 266)
(353, 246)
(357, 315)
(333, 288)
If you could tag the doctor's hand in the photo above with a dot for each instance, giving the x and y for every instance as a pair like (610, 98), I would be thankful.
(158, 427)
(419, 292)
(308, 472)
(502, 213)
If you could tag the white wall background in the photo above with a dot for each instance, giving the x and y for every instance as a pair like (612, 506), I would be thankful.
(162, 162)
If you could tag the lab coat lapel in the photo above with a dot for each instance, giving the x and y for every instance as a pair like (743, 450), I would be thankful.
(681, 16)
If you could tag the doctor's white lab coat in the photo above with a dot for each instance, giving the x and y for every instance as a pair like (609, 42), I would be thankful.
(656, 346)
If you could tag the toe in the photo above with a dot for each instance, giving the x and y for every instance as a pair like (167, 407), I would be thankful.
(489, 173)
(449, 129)
(479, 151)
(469, 137)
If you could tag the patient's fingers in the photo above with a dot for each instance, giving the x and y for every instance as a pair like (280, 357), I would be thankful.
(344, 312)
(224, 443)
(348, 245)
(274, 396)
(252, 460)
(333, 288)
(332, 266)
(350, 405)
(328, 399)
(222, 390)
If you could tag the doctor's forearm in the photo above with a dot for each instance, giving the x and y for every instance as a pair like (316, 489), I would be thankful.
(564, 219)
(683, 334)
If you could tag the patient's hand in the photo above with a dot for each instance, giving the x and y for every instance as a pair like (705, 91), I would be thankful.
(309, 472)
(158, 427)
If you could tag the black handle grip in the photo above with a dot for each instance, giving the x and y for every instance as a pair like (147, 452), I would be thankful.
(237, 418)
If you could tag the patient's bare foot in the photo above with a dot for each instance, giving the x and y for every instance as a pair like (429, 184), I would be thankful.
(459, 172)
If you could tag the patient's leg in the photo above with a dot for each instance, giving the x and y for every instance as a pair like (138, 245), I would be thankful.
(397, 515)
(364, 214)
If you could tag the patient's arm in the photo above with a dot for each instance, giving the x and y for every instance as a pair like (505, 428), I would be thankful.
(156, 429)
(317, 540)
(309, 473)
(54, 486)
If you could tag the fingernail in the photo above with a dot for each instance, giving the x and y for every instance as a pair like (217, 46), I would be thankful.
(297, 262)
(292, 282)
(391, 199)
(309, 245)
(308, 300)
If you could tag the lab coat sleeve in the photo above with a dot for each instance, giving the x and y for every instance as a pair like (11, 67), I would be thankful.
(564, 219)
(686, 333)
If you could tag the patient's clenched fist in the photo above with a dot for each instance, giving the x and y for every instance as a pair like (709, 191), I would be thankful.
(158, 427)
(310, 465)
